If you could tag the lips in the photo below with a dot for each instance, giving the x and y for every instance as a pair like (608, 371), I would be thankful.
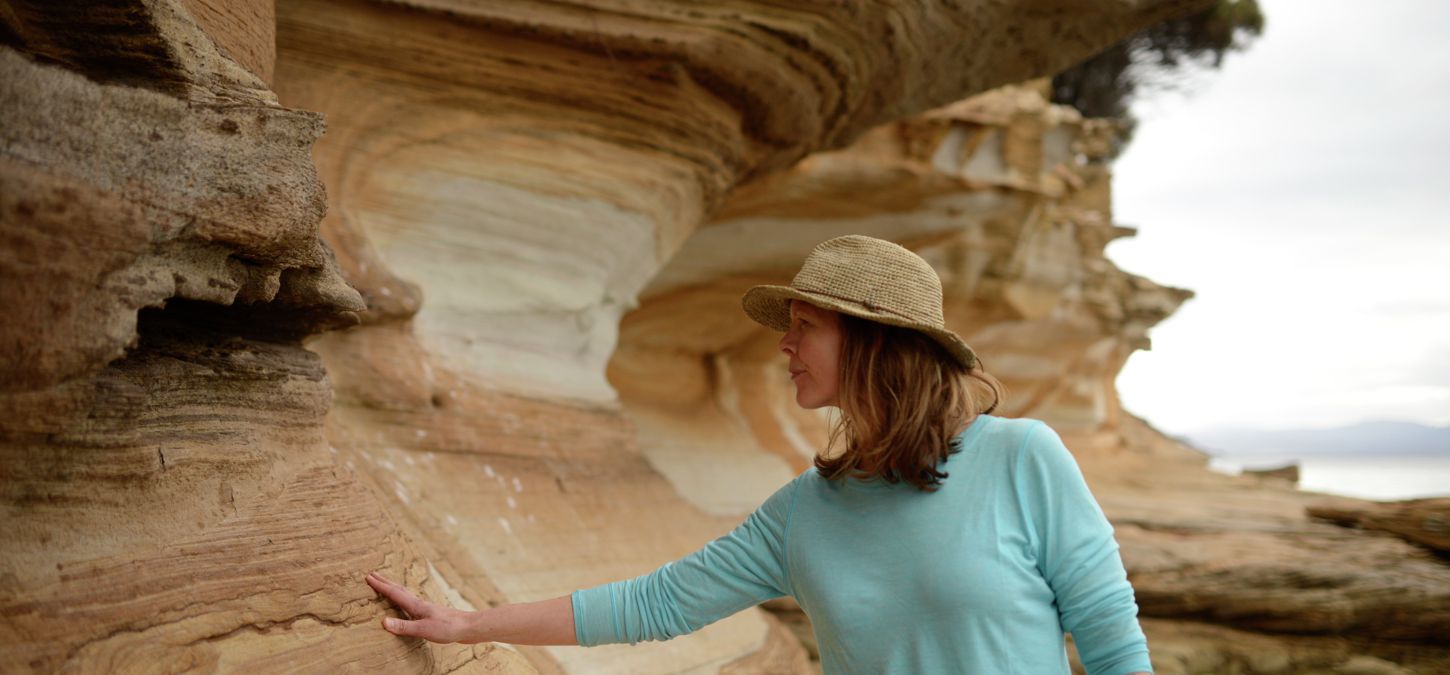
(795, 373)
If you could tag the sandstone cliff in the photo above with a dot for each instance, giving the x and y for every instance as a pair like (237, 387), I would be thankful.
(448, 289)
(1009, 198)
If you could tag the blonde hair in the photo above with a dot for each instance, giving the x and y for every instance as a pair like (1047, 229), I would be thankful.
(903, 399)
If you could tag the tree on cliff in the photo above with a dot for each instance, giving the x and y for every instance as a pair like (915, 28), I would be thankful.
(1158, 58)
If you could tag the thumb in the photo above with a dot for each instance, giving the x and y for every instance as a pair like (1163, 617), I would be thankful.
(401, 627)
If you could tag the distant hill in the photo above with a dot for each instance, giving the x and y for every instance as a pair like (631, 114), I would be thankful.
(1366, 438)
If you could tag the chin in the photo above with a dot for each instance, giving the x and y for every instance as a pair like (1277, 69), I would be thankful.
(812, 403)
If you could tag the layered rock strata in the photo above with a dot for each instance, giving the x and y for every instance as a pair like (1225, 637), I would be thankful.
(529, 168)
(502, 180)
(500, 201)
(169, 498)
(1421, 521)
(1241, 558)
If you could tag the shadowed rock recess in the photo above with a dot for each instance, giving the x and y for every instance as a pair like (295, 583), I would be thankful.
(449, 290)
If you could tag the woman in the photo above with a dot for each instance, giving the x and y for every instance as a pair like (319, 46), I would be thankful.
(939, 539)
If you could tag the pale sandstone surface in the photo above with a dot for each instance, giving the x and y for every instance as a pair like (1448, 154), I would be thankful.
(503, 182)
(522, 499)
(530, 166)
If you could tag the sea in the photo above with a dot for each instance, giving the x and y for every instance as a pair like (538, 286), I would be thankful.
(1380, 477)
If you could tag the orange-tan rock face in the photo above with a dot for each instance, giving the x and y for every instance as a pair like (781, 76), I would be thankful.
(448, 289)
(504, 181)
(528, 168)
(170, 501)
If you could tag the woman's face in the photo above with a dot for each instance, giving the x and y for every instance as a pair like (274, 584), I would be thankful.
(813, 344)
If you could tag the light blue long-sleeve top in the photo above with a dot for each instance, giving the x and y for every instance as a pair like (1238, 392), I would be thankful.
(982, 576)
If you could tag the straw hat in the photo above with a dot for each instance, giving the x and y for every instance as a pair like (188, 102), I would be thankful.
(866, 278)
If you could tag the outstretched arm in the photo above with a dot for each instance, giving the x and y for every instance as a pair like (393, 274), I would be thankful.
(729, 574)
(735, 571)
(547, 622)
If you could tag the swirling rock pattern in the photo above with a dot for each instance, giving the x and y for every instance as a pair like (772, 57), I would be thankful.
(530, 222)
(169, 498)
(505, 179)
(530, 166)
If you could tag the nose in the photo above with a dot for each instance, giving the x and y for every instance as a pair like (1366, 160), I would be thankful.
(787, 342)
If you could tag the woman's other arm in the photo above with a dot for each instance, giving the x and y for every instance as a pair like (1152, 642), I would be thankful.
(547, 622)
(1078, 557)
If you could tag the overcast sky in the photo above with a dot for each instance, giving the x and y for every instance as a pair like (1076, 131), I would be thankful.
(1303, 192)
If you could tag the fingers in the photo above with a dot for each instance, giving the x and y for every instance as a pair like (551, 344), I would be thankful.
(435, 623)
(378, 577)
(405, 599)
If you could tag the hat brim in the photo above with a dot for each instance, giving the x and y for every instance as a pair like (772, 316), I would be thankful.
(769, 306)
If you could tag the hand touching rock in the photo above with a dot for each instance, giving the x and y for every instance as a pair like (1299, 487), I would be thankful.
(546, 622)
(427, 620)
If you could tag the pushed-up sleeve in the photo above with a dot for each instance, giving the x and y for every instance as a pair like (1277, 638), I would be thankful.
(1078, 557)
(736, 571)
